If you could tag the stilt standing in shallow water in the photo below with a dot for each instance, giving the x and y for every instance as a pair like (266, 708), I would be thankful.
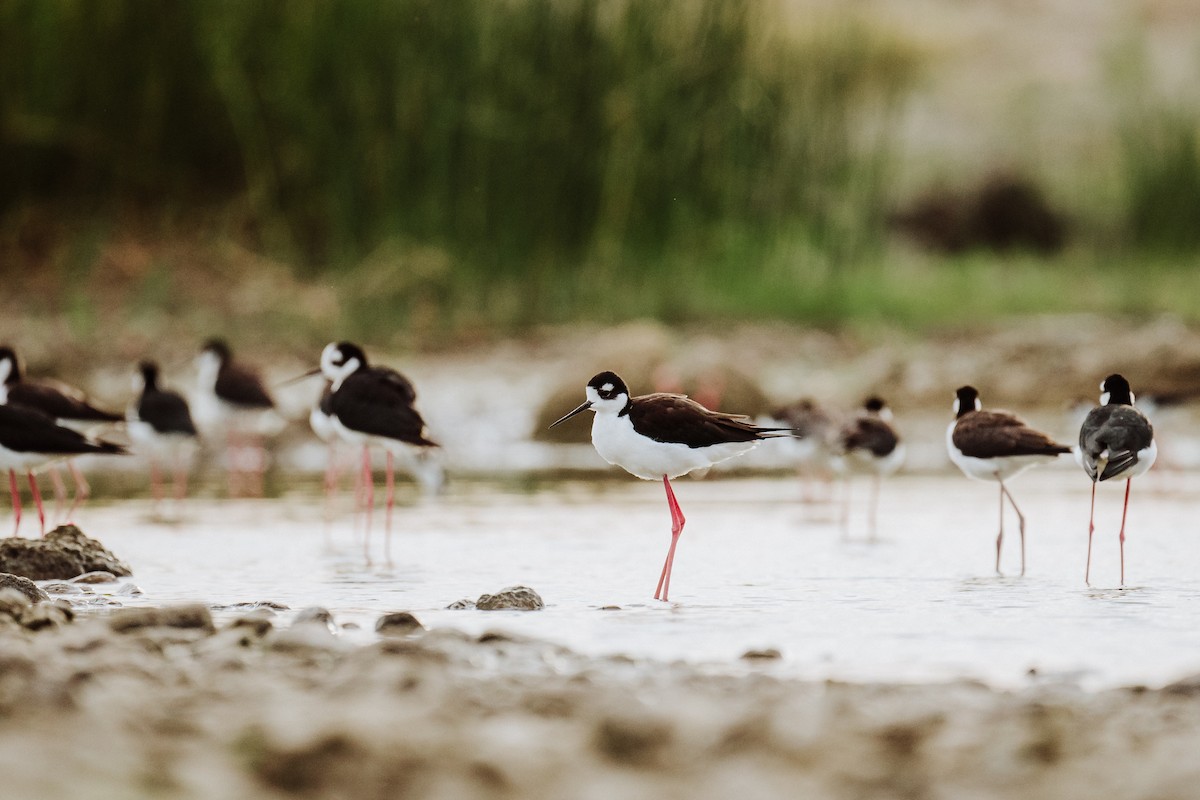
(663, 436)
(66, 405)
(373, 407)
(30, 440)
(996, 446)
(161, 428)
(1116, 442)
(868, 443)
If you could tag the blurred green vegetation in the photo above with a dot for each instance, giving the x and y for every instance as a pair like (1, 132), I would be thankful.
(492, 164)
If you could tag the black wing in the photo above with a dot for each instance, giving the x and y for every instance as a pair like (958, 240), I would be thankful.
(871, 434)
(24, 430)
(1121, 430)
(57, 401)
(379, 402)
(242, 387)
(676, 419)
(166, 412)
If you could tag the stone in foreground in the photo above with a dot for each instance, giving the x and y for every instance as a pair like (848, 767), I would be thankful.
(514, 597)
(64, 553)
(398, 623)
(24, 586)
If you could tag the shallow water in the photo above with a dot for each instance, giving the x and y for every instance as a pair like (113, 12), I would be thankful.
(755, 568)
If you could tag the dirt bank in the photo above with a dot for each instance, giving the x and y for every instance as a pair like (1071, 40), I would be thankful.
(169, 707)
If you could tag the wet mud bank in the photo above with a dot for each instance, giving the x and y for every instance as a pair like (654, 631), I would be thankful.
(145, 702)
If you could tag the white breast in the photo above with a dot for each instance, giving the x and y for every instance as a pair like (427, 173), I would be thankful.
(991, 469)
(618, 443)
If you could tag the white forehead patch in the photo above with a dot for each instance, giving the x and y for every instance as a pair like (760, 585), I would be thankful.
(608, 387)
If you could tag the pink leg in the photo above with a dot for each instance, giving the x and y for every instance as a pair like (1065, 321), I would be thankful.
(875, 509)
(330, 483)
(16, 500)
(845, 520)
(677, 521)
(181, 478)
(37, 499)
(83, 490)
(1020, 519)
(231, 462)
(259, 470)
(156, 488)
(1087, 571)
(369, 500)
(391, 501)
(60, 492)
(1124, 512)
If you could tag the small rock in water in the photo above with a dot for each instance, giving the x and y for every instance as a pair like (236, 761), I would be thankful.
(24, 586)
(64, 553)
(129, 589)
(59, 587)
(610, 608)
(766, 654)
(516, 597)
(315, 615)
(398, 623)
(258, 622)
(187, 616)
(270, 605)
(459, 605)
(96, 576)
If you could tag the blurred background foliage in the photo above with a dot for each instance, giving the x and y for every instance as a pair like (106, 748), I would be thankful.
(449, 165)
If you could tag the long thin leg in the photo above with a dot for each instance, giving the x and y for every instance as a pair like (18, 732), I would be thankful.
(16, 500)
(875, 508)
(60, 492)
(1020, 519)
(37, 499)
(83, 489)
(1087, 571)
(181, 477)
(391, 501)
(845, 518)
(369, 500)
(258, 472)
(231, 462)
(156, 487)
(1000, 536)
(1124, 512)
(677, 521)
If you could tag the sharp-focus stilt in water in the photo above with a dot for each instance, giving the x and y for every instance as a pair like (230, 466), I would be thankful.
(663, 436)
(373, 407)
(30, 440)
(161, 429)
(231, 402)
(1116, 442)
(996, 446)
(868, 443)
(66, 405)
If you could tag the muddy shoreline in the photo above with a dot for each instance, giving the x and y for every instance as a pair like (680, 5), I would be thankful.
(143, 703)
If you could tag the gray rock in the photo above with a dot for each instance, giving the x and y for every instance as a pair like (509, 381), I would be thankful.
(24, 586)
(459, 605)
(315, 615)
(515, 597)
(98, 576)
(58, 587)
(186, 616)
(398, 623)
(257, 622)
(766, 654)
(129, 590)
(64, 553)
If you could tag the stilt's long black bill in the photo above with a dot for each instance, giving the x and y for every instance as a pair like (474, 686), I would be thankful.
(300, 377)
(579, 410)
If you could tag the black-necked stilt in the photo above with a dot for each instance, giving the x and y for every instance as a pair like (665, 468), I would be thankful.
(161, 428)
(995, 446)
(815, 430)
(30, 440)
(662, 436)
(232, 400)
(372, 406)
(1116, 442)
(66, 405)
(868, 443)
